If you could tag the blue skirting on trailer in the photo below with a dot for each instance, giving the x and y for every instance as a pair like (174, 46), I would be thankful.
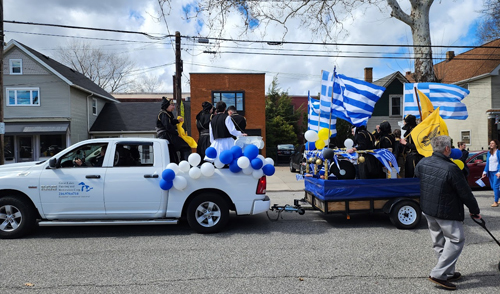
(327, 190)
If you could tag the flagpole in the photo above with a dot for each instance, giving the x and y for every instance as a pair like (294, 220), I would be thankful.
(418, 103)
(331, 101)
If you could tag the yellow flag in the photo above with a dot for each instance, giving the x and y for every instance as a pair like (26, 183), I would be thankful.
(423, 133)
(425, 105)
(191, 142)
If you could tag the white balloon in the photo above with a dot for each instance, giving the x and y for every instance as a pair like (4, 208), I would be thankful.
(348, 143)
(180, 183)
(218, 163)
(184, 166)
(194, 159)
(195, 172)
(269, 160)
(248, 171)
(257, 173)
(261, 157)
(207, 169)
(311, 136)
(243, 162)
(174, 167)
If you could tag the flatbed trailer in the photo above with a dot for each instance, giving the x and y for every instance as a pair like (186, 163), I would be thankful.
(397, 197)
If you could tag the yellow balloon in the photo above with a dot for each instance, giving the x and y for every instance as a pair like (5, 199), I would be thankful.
(459, 163)
(320, 144)
(324, 134)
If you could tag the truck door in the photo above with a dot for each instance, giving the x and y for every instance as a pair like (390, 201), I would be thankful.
(132, 186)
(74, 190)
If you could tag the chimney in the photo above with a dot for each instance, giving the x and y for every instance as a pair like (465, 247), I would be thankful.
(369, 74)
(450, 55)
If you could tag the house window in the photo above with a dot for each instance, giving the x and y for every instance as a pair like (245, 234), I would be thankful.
(395, 105)
(16, 66)
(23, 97)
(230, 98)
(94, 106)
(465, 136)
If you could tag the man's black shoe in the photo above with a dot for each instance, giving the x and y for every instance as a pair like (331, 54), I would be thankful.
(456, 276)
(443, 283)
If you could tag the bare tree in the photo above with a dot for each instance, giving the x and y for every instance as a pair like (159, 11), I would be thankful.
(108, 71)
(322, 18)
(489, 28)
(147, 83)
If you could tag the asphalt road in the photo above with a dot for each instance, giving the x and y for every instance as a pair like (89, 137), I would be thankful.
(312, 253)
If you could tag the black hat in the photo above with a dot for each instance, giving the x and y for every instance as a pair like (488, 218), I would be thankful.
(165, 102)
(385, 127)
(207, 106)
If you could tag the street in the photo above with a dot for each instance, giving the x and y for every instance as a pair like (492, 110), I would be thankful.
(310, 253)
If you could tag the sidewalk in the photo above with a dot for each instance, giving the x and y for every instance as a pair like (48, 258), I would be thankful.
(284, 180)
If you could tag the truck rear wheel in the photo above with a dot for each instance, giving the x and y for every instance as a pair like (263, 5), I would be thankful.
(17, 217)
(406, 215)
(208, 213)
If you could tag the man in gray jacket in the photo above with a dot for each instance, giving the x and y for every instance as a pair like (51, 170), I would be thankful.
(443, 193)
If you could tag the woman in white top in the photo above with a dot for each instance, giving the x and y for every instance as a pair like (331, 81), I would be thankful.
(492, 169)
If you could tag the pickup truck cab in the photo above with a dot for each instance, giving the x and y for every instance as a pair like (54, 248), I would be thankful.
(79, 187)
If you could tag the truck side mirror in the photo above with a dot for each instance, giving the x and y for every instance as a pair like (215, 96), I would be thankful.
(53, 163)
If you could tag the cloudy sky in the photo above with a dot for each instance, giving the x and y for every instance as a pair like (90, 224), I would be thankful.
(453, 23)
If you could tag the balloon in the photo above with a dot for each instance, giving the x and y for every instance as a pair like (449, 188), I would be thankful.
(211, 152)
(459, 163)
(248, 170)
(323, 134)
(251, 151)
(168, 175)
(207, 169)
(257, 174)
(261, 144)
(236, 151)
(166, 185)
(243, 162)
(218, 164)
(194, 159)
(257, 163)
(174, 167)
(269, 160)
(328, 153)
(195, 172)
(311, 136)
(268, 170)
(456, 153)
(310, 146)
(184, 166)
(348, 143)
(261, 157)
(226, 157)
(319, 144)
(180, 183)
(233, 167)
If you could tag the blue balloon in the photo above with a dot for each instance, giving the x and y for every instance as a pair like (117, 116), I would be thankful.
(237, 152)
(168, 175)
(456, 153)
(234, 166)
(311, 146)
(268, 169)
(211, 152)
(251, 151)
(226, 157)
(256, 163)
(166, 185)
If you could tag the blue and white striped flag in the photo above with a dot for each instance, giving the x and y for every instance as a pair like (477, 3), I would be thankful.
(354, 100)
(385, 156)
(314, 116)
(447, 97)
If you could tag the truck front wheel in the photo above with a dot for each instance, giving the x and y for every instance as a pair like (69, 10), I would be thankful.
(208, 213)
(17, 218)
(406, 214)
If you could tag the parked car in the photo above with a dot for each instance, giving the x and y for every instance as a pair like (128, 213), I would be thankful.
(284, 151)
(297, 160)
(476, 162)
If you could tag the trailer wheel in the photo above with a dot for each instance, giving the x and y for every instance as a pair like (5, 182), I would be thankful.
(406, 215)
(208, 213)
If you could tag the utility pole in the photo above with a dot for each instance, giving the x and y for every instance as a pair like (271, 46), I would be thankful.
(2, 124)
(178, 73)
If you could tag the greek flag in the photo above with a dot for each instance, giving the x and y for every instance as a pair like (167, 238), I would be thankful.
(354, 100)
(315, 116)
(385, 156)
(447, 97)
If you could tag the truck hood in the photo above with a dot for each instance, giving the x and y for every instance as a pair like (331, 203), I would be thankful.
(15, 169)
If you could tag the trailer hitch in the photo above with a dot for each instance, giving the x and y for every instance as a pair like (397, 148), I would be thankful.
(287, 208)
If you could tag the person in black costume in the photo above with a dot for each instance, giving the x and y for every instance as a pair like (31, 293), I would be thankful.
(371, 167)
(463, 158)
(412, 157)
(166, 129)
(386, 138)
(240, 121)
(203, 124)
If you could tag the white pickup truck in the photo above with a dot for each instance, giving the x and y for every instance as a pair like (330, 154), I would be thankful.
(121, 189)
